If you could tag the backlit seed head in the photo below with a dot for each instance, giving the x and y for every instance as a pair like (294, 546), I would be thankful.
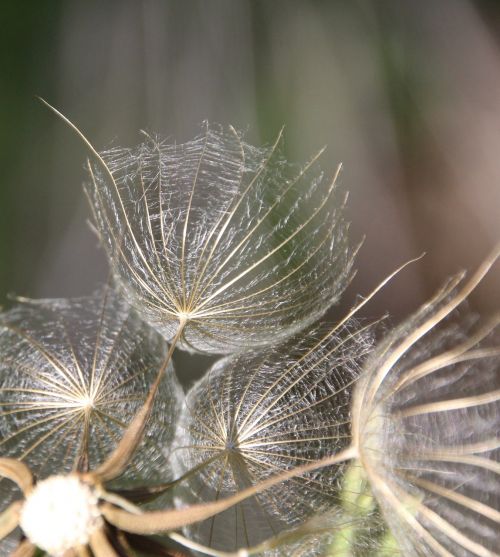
(73, 373)
(426, 421)
(227, 237)
(59, 514)
(255, 415)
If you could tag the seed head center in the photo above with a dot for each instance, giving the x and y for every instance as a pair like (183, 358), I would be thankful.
(60, 513)
(87, 402)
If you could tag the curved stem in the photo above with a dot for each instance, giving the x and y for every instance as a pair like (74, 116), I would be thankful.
(83, 551)
(155, 522)
(18, 472)
(100, 545)
(190, 544)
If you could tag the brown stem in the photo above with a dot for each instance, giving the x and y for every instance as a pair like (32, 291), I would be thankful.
(24, 549)
(100, 545)
(83, 551)
(116, 463)
(172, 519)
(9, 518)
(18, 472)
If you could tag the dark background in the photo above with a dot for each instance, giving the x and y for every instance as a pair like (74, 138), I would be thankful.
(405, 93)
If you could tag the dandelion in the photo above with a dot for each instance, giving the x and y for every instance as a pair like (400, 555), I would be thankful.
(426, 425)
(217, 242)
(224, 247)
(256, 415)
(95, 517)
(285, 411)
(73, 374)
(223, 236)
(79, 367)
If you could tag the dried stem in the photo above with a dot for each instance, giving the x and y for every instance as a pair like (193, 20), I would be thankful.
(116, 463)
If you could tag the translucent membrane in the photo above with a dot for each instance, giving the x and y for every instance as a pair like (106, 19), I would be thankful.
(228, 237)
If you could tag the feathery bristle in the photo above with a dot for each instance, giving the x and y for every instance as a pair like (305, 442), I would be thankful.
(427, 424)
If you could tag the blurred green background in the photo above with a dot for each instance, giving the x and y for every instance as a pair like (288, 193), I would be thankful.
(405, 93)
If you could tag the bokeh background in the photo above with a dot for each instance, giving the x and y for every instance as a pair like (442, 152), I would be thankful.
(405, 93)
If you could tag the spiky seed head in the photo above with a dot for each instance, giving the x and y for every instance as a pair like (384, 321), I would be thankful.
(254, 415)
(73, 373)
(227, 237)
(426, 419)
(60, 514)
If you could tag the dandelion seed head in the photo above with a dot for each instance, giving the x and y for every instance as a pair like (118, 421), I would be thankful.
(255, 415)
(73, 373)
(60, 514)
(229, 238)
(427, 421)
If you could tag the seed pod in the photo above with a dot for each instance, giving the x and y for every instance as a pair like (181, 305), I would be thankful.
(426, 421)
(73, 373)
(254, 415)
(227, 237)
